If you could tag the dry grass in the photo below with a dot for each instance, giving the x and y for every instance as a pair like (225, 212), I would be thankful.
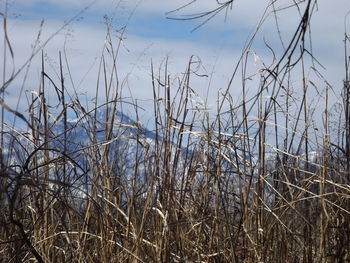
(223, 187)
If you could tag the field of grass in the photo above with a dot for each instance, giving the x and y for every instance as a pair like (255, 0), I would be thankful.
(251, 181)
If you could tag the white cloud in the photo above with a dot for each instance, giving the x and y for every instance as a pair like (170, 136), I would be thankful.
(84, 47)
(84, 44)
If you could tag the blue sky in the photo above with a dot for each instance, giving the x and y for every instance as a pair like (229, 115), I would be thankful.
(143, 23)
(152, 37)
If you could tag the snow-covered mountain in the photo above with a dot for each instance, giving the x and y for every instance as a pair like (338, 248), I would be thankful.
(78, 146)
(95, 131)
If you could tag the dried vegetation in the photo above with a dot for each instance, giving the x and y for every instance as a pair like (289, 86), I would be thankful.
(251, 181)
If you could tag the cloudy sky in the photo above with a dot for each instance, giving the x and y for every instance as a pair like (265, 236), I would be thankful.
(150, 36)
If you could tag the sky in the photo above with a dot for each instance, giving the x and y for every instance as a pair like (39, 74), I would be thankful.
(151, 37)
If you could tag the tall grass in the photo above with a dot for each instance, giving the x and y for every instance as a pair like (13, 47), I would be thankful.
(253, 182)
